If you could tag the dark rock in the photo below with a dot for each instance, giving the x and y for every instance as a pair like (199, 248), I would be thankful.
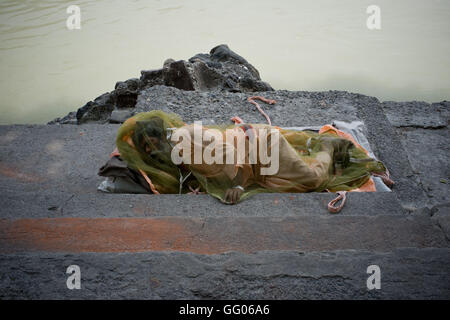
(206, 78)
(125, 93)
(252, 85)
(225, 70)
(98, 110)
(167, 63)
(120, 115)
(150, 78)
(231, 85)
(71, 118)
(177, 75)
(221, 70)
(223, 53)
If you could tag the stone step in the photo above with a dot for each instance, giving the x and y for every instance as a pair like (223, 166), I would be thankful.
(55, 204)
(408, 273)
(50, 165)
(220, 234)
(51, 171)
(170, 246)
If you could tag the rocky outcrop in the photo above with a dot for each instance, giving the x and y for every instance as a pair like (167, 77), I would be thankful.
(222, 70)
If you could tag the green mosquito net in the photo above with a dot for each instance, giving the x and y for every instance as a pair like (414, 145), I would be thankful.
(308, 161)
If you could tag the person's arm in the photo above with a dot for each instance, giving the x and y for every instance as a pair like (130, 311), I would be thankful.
(233, 194)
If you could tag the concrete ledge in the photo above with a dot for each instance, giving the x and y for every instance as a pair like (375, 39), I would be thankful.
(56, 205)
(405, 274)
(51, 171)
(219, 234)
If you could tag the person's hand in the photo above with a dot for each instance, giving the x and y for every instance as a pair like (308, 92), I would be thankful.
(233, 195)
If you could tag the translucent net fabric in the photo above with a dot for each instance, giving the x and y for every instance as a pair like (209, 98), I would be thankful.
(138, 147)
(309, 161)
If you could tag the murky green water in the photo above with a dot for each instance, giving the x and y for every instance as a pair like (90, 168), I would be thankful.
(47, 70)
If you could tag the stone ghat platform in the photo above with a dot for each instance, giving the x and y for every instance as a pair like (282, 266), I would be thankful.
(272, 246)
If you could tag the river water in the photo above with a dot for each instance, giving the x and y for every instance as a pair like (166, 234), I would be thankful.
(47, 70)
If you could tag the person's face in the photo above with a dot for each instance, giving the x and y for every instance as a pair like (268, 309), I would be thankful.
(153, 143)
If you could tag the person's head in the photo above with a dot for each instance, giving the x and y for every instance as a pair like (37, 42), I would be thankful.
(150, 136)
